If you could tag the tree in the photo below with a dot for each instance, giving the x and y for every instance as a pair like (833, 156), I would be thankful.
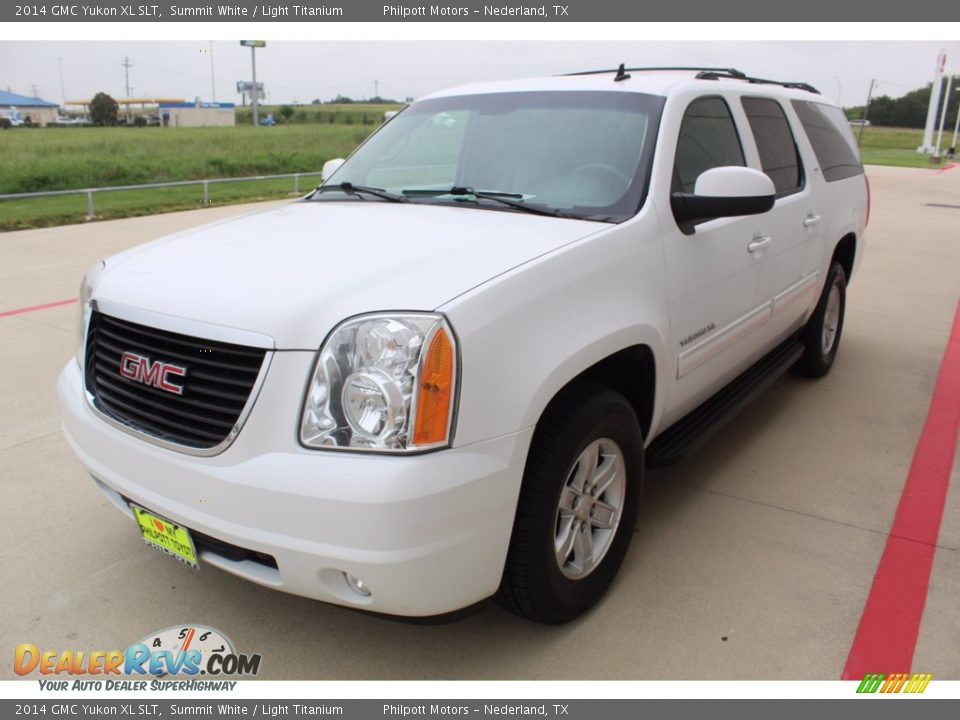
(286, 111)
(909, 110)
(103, 110)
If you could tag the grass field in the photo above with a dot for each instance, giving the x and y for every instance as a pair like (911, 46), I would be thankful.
(37, 160)
(895, 146)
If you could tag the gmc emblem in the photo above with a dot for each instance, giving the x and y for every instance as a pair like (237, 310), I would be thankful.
(155, 373)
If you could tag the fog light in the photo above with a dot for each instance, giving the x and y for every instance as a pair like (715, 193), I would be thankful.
(357, 585)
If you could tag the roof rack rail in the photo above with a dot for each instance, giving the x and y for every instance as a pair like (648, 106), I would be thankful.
(703, 73)
(731, 72)
(737, 75)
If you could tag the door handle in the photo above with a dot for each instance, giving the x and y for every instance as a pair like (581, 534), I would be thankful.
(811, 220)
(759, 242)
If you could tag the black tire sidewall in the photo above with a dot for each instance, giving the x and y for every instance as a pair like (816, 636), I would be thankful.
(607, 415)
(814, 362)
(836, 277)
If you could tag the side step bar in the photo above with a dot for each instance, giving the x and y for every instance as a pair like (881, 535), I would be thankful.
(694, 429)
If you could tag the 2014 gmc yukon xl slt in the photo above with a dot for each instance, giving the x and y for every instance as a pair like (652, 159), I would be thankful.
(439, 376)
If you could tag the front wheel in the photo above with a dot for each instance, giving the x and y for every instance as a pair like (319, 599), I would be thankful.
(821, 336)
(578, 506)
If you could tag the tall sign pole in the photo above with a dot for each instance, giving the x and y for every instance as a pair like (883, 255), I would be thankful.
(943, 113)
(956, 129)
(254, 94)
(935, 91)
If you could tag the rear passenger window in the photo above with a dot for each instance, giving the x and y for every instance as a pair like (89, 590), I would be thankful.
(775, 143)
(829, 133)
(708, 139)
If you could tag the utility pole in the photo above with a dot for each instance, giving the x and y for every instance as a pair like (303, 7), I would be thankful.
(34, 90)
(866, 107)
(213, 82)
(63, 93)
(126, 65)
(376, 88)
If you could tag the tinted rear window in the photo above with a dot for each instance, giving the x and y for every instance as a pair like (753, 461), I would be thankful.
(775, 143)
(829, 133)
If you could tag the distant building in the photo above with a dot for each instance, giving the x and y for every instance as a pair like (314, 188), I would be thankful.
(36, 110)
(197, 114)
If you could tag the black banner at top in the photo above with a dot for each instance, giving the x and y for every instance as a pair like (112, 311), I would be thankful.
(482, 11)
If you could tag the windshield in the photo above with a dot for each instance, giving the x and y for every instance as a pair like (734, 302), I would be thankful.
(579, 154)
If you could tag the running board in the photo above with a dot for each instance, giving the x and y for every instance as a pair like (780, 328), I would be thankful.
(694, 429)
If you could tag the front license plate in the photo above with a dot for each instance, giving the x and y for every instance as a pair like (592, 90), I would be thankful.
(166, 536)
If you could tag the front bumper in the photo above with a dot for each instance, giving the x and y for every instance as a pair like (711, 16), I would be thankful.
(427, 534)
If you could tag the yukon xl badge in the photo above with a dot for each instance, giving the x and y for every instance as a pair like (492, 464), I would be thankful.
(154, 373)
(698, 334)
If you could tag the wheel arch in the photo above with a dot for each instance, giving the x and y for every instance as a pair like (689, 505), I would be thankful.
(845, 252)
(631, 371)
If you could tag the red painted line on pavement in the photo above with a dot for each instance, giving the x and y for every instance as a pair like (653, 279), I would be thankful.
(951, 166)
(887, 635)
(33, 308)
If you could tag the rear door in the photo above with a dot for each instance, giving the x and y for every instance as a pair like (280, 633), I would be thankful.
(793, 225)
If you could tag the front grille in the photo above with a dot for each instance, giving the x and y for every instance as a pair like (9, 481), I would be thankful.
(214, 386)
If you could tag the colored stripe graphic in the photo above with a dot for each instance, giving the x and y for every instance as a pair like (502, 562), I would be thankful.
(898, 682)
(33, 308)
(890, 623)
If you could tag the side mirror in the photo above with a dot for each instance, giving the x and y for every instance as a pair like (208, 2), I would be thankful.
(329, 168)
(723, 192)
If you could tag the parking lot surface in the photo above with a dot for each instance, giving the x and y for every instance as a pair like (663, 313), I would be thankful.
(752, 560)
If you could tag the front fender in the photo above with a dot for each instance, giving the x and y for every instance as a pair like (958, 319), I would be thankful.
(525, 334)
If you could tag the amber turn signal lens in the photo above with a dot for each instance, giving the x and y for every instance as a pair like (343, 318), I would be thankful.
(436, 392)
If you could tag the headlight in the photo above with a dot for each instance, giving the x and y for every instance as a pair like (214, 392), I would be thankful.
(384, 383)
(83, 307)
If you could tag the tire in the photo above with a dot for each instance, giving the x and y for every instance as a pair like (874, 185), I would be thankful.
(536, 583)
(821, 336)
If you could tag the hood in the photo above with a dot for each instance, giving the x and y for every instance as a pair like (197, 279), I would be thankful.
(294, 272)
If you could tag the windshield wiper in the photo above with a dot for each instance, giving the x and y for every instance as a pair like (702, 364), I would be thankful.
(351, 189)
(514, 200)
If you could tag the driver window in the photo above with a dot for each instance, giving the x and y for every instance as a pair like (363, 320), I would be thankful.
(708, 139)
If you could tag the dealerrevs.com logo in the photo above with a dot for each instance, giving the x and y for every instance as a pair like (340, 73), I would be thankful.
(182, 651)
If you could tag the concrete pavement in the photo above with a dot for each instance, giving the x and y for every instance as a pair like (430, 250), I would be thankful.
(752, 560)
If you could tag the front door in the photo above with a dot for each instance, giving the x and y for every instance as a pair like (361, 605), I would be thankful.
(719, 304)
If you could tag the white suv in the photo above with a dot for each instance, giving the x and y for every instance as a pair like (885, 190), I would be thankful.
(439, 376)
